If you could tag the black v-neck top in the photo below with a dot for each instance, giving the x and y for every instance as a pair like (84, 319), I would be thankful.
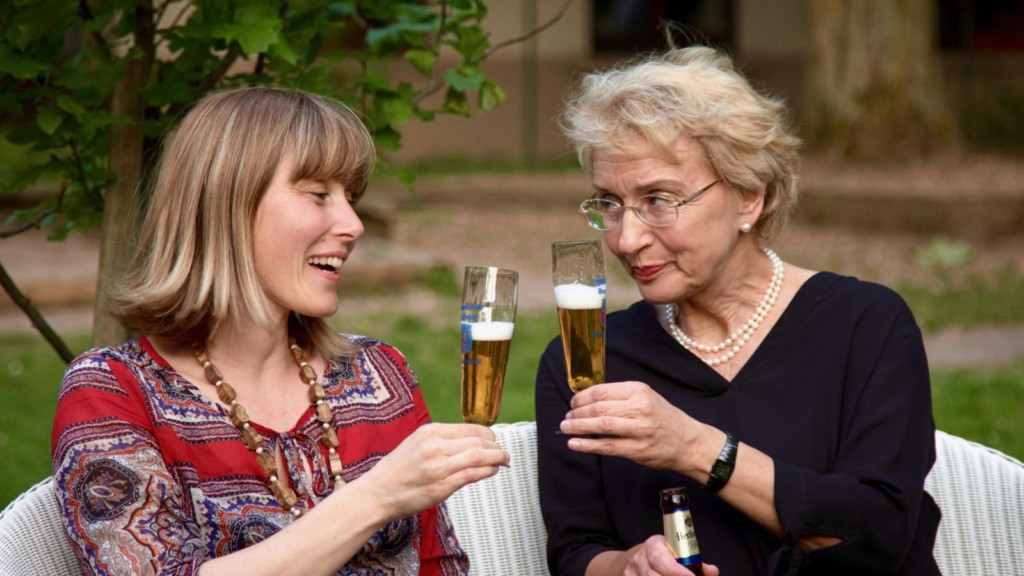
(837, 394)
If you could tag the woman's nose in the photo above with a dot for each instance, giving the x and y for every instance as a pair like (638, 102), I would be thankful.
(347, 221)
(633, 232)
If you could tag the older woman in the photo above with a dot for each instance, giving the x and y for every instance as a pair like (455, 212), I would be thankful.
(240, 434)
(793, 404)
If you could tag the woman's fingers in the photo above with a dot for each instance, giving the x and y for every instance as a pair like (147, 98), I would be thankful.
(606, 392)
(433, 462)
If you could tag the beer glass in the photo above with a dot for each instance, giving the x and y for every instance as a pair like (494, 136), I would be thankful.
(580, 286)
(488, 317)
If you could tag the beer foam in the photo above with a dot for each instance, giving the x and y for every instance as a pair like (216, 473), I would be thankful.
(578, 297)
(484, 331)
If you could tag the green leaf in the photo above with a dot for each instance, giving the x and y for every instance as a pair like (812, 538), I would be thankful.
(19, 66)
(256, 27)
(405, 176)
(69, 105)
(424, 114)
(472, 43)
(258, 37)
(394, 110)
(47, 220)
(456, 102)
(49, 119)
(374, 81)
(387, 138)
(464, 78)
(490, 96)
(421, 60)
(283, 51)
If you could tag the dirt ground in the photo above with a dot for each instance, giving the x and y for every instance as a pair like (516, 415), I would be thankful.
(510, 220)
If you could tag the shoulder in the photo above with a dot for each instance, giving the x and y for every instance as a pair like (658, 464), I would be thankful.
(853, 294)
(639, 315)
(366, 348)
(98, 367)
(374, 359)
(863, 311)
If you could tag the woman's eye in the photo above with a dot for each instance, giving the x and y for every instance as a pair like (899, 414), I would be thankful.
(658, 201)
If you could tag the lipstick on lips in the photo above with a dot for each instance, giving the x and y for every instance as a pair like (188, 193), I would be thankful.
(645, 273)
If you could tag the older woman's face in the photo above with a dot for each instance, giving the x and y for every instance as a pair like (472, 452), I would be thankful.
(671, 263)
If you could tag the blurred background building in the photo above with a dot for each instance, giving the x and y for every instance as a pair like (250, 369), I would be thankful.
(981, 46)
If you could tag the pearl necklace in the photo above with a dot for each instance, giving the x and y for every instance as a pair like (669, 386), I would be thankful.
(735, 342)
(267, 460)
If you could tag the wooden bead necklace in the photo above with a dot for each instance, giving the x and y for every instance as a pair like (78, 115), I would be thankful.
(268, 460)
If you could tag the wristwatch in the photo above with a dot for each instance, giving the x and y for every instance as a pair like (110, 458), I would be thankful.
(721, 470)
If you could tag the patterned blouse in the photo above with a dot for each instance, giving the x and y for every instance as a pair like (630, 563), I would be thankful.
(154, 479)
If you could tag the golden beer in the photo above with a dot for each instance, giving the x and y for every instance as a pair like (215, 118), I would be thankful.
(582, 322)
(483, 370)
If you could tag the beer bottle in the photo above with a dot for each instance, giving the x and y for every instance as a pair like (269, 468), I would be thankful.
(678, 524)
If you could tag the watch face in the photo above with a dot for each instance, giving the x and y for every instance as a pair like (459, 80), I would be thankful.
(722, 469)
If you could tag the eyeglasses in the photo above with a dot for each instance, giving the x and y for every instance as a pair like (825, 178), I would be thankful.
(656, 210)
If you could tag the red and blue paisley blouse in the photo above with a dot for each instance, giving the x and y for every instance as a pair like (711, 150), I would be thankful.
(154, 479)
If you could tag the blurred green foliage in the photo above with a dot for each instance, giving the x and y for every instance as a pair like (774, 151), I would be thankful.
(61, 63)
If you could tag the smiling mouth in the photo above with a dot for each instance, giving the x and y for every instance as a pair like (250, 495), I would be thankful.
(328, 264)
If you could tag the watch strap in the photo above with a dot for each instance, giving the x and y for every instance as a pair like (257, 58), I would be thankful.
(722, 469)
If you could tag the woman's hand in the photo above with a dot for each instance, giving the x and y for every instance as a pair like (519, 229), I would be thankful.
(632, 421)
(652, 557)
(431, 464)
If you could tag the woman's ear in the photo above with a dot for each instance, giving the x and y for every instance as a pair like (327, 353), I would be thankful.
(751, 206)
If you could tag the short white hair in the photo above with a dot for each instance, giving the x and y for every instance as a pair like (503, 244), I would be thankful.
(694, 92)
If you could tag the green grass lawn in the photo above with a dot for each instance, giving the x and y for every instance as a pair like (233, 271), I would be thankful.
(982, 405)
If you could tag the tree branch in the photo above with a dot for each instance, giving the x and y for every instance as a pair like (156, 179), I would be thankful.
(434, 85)
(531, 33)
(37, 223)
(435, 78)
(177, 18)
(207, 83)
(33, 314)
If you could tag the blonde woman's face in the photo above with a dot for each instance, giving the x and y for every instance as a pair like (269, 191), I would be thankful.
(303, 235)
(672, 263)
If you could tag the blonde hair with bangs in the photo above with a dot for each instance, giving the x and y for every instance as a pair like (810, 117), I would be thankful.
(694, 92)
(195, 267)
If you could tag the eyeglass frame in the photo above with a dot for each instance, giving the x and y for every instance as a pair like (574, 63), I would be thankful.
(636, 210)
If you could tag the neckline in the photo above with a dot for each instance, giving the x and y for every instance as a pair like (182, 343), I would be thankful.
(790, 319)
(304, 420)
(650, 344)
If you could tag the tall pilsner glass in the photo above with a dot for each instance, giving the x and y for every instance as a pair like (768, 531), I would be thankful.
(488, 317)
(580, 286)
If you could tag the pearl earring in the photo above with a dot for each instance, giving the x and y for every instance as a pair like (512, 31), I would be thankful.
(745, 227)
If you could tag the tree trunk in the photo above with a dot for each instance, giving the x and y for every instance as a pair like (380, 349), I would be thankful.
(874, 81)
(127, 142)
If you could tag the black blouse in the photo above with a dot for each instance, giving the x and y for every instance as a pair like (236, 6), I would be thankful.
(837, 394)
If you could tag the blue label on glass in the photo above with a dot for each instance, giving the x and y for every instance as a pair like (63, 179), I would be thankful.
(467, 337)
(471, 312)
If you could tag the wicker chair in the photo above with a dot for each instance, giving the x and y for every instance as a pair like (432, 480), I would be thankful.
(980, 492)
(32, 540)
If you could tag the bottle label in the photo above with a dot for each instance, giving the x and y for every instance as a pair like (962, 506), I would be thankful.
(682, 538)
